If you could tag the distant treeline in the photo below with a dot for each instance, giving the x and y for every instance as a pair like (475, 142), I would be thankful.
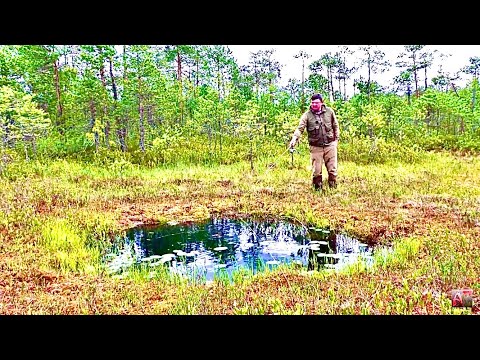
(155, 102)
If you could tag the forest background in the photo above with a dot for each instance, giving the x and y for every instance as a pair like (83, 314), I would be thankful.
(154, 105)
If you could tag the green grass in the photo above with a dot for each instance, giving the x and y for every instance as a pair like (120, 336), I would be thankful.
(57, 219)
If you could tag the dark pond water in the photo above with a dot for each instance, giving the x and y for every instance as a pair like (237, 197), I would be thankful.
(219, 246)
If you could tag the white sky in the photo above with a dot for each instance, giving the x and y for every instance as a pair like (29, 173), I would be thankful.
(292, 68)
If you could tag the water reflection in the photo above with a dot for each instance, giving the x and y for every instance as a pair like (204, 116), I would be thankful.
(205, 250)
(331, 250)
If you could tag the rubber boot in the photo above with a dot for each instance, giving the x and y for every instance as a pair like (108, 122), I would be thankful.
(332, 181)
(317, 182)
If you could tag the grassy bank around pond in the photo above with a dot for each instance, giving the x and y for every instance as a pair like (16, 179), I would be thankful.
(57, 218)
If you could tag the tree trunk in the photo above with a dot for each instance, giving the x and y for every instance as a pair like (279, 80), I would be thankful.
(141, 124)
(302, 105)
(196, 78)
(340, 86)
(331, 85)
(112, 79)
(59, 121)
(105, 111)
(121, 131)
(368, 80)
(426, 83)
(474, 91)
(221, 133)
(92, 123)
(415, 77)
(251, 154)
(180, 86)
(150, 115)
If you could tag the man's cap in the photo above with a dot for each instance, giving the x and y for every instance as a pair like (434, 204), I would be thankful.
(317, 96)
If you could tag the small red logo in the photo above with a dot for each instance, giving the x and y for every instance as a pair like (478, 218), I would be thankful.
(462, 298)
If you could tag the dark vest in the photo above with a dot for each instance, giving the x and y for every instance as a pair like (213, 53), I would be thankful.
(320, 127)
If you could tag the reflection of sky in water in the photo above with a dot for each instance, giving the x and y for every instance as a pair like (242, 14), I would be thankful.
(223, 245)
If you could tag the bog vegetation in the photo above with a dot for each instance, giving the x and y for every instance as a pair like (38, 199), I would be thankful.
(97, 139)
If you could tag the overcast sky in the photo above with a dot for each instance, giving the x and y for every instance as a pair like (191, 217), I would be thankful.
(292, 68)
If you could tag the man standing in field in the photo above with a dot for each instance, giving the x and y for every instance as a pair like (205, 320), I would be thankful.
(323, 133)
